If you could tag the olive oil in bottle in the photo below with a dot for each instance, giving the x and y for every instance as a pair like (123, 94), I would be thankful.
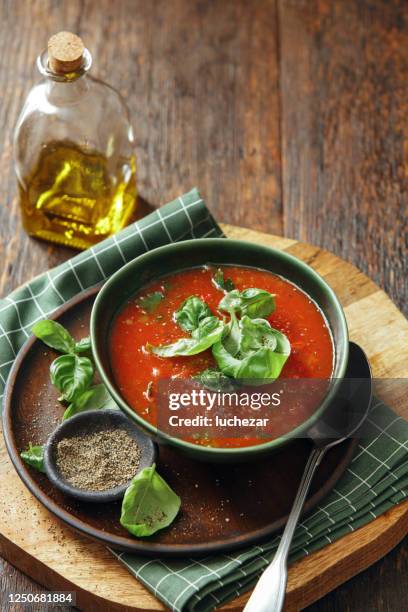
(70, 197)
(74, 154)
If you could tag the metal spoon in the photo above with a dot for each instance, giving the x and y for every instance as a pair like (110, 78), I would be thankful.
(341, 421)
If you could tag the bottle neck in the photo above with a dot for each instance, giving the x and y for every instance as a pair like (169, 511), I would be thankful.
(65, 88)
(67, 92)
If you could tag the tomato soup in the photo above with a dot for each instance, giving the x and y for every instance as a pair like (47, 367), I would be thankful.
(144, 321)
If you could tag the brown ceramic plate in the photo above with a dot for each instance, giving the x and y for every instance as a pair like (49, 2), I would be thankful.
(223, 506)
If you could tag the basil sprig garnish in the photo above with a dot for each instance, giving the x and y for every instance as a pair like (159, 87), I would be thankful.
(244, 347)
(191, 313)
(72, 374)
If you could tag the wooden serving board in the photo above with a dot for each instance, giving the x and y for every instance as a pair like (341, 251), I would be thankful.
(39, 545)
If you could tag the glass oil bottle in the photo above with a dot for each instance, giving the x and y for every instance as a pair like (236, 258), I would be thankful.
(74, 151)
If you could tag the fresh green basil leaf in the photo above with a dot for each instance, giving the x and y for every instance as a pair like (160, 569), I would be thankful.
(206, 327)
(214, 379)
(255, 303)
(182, 347)
(232, 336)
(83, 345)
(149, 504)
(53, 334)
(282, 343)
(34, 456)
(231, 302)
(71, 375)
(248, 335)
(256, 334)
(222, 283)
(94, 398)
(228, 364)
(208, 332)
(262, 353)
(150, 302)
(191, 312)
(262, 366)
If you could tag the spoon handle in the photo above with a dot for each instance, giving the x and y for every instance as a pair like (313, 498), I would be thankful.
(269, 593)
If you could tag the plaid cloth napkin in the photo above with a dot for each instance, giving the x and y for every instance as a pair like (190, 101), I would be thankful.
(374, 482)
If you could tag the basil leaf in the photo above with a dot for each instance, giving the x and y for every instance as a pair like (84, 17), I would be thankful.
(83, 345)
(282, 343)
(208, 332)
(248, 335)
(257, 303)
(255, 334)
(71, 375)
(228, 364)
(232, 339)
(53, 334)
(149, 504)
(150, 301)
(215, 379)
(206, 327)
(34, 456)
(263, 366)
(192, 311)
(231, 302)
(222, 283)
(262, 353)
(252, 302)
(94, 398)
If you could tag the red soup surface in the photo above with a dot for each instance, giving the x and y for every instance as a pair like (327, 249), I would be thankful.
(137, 371)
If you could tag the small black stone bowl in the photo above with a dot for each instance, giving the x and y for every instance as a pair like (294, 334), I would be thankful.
(86, 422)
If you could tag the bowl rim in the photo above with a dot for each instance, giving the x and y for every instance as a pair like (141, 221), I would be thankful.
(208, 451)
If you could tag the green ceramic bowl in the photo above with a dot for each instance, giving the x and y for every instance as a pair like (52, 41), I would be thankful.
(191, 253)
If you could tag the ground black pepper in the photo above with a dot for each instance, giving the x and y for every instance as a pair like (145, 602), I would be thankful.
(99, 460)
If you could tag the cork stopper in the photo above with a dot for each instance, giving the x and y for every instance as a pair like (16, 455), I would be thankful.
(65, 52)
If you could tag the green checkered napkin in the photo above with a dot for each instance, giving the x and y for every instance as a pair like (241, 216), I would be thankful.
(374, 482)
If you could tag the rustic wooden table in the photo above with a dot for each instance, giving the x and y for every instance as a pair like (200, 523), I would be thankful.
(290, 116)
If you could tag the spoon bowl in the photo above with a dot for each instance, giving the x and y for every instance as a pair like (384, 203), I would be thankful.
(349, 408)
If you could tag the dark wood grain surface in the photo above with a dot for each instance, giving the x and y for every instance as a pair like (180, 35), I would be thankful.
(291, 117)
